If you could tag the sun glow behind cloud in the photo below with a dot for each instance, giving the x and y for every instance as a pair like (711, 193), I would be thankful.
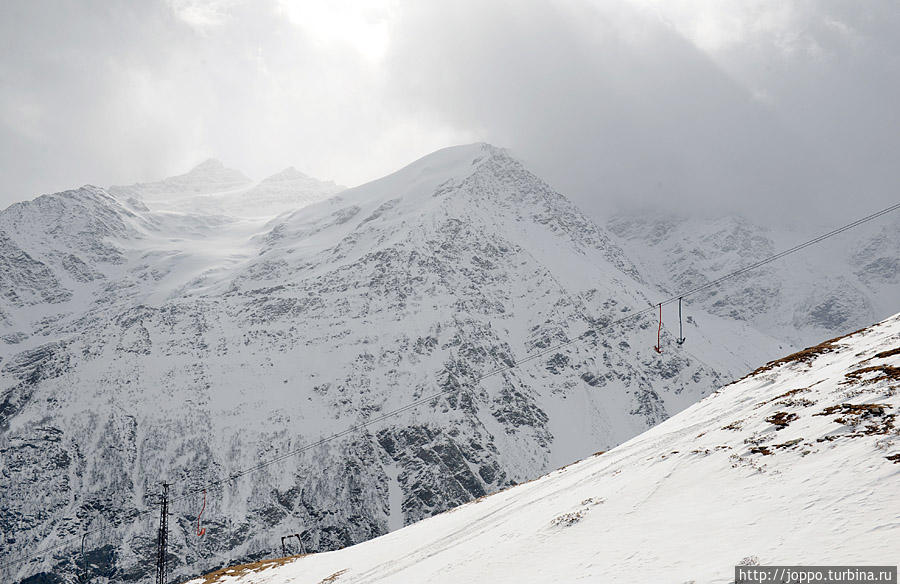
(202, 15)
(362, 25)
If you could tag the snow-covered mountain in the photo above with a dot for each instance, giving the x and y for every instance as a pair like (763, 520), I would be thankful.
(145, 344)
(149, 333)
(796, 464)
(835, 287)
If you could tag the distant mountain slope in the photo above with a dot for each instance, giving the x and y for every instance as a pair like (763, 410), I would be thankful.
(797, 464)
(285, 191)
(213, 189)
(210, 176)
(834, 287)
(212, 342)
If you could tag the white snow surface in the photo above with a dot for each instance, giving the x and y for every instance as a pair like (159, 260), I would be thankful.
(716, 485)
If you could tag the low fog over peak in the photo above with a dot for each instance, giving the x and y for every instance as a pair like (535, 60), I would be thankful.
(777, 110)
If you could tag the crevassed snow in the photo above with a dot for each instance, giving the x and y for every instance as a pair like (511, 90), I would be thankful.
(794, 465)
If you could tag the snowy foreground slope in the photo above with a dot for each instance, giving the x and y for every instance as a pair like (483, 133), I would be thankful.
(798, 463)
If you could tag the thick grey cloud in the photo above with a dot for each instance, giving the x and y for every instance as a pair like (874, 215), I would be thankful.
(691, 104)
(112, 92)
(617, 105)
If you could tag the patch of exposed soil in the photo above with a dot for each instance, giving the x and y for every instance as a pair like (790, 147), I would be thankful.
(884, 373)
(214, 577)
(781, 419)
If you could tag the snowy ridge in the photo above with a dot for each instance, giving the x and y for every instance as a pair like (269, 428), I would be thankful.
(798, 463)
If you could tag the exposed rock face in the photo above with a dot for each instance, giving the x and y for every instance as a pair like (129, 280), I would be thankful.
(188, 346)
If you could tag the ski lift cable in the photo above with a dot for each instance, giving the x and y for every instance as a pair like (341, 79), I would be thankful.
(590, 333)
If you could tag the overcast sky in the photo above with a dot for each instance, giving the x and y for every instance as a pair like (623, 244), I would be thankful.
(780, 105)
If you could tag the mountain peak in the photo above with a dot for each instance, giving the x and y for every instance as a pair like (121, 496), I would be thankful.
(210, 176)
(213, 171)
(208, 165)
(425, 175)
(289, 173)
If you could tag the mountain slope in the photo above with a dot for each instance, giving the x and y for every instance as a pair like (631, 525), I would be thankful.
(797, 464)
(832, 288)
(211, 188)
(210, 176)
(213, 342)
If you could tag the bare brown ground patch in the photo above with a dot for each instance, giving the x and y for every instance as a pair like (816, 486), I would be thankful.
(245, 569)
(888, 353)
(781, 419)
(885, 373)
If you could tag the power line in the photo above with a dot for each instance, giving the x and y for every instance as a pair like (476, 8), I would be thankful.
(591, 332)
(162, 563)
